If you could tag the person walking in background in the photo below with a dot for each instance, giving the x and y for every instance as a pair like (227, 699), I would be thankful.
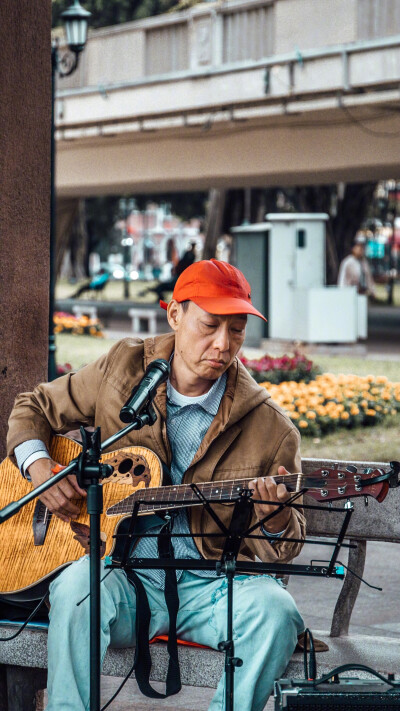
(186, 260)
(355, 271)
(165, 287)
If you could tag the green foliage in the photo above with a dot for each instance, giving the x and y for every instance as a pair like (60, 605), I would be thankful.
(113, 12)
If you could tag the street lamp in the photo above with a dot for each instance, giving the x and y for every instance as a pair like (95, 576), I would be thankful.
(76, 20)
(126, 208)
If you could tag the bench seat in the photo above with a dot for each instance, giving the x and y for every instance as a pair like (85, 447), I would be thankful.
(203, 667)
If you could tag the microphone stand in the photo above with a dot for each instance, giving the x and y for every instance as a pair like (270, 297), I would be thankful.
(89, 471)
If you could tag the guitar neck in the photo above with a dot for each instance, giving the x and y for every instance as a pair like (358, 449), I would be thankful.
(172, 497)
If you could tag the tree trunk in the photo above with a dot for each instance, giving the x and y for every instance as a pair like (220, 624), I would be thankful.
(67, 210)
(214, 221)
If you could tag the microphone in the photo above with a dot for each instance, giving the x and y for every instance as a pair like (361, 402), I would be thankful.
(156, 373)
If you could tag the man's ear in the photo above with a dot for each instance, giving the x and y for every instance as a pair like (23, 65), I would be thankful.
(174, 314)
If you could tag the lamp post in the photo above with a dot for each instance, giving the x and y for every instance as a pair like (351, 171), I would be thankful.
(76, 20)
(126, 208)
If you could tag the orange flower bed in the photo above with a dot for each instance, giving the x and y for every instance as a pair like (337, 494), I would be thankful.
(84, 326)
(332, 401)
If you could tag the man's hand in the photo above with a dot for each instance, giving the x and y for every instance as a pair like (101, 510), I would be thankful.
(266, 489)
(59, 498)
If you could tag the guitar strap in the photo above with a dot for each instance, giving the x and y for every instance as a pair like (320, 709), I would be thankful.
(142, 664)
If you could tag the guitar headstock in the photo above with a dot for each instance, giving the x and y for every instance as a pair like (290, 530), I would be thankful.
(330, 484)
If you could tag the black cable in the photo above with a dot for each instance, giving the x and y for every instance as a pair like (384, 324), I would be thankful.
(119, 688)
(339, 562)
(88, 595)
(310, 673)
(33, 613)
(355, 667)
(370, 131)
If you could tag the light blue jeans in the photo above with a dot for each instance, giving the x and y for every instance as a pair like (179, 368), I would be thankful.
(266, 625)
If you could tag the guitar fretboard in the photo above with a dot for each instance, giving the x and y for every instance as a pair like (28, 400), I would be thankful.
(164, 497)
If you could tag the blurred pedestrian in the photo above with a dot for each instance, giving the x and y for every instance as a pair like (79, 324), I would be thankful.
(186, 260)
(165, 287)
(355, 270)
(95, 285)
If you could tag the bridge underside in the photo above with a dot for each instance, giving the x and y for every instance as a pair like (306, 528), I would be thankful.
(296, 147)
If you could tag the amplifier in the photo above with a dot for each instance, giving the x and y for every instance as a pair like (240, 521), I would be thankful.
(346, 694)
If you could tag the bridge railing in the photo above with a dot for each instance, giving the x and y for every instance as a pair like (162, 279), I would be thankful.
(227, 34)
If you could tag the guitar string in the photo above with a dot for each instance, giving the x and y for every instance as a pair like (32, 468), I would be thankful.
(122, 503)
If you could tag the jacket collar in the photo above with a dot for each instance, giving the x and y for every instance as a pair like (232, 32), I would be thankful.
(242, 393)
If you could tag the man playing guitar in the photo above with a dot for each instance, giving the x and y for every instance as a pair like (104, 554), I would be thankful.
(214, 423)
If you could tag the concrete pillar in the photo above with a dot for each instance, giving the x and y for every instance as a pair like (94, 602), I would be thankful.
(25, 84)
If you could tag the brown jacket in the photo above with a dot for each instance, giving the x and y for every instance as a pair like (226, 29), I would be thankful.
(249, 437)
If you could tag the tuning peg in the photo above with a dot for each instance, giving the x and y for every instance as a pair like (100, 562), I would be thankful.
(368, 470)
(366, 500)
(351, 469)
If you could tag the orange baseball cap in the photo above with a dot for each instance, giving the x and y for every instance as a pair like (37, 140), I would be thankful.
(217, 287)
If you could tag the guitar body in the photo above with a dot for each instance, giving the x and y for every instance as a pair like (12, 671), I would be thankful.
(35, 546)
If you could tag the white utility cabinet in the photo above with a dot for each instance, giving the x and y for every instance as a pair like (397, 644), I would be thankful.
(284, 262)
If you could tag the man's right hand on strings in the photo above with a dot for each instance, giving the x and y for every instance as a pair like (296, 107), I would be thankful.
(59, 499)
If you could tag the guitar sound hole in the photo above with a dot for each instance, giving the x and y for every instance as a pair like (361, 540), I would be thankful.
(139, 469)
(125, 466)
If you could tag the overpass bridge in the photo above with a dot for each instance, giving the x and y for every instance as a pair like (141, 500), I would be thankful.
(234, 93)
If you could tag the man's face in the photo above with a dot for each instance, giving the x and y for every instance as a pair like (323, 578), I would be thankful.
(205, 344)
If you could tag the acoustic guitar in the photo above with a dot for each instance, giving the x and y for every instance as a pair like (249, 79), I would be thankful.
(35, 545)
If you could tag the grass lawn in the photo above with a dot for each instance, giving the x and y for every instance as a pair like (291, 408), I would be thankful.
(378, 443)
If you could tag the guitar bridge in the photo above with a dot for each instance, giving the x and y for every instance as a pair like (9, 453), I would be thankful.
(40, 523)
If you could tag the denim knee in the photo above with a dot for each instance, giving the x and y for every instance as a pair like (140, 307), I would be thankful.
(71, 585)
(269, 603)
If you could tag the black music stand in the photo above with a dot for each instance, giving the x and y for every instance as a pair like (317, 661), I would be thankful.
(228, 564)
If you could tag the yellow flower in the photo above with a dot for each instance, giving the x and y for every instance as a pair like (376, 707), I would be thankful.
(370, 412)
(294, 415)
(344, 416)
(354, 410)
(303, 424)
(311, 415)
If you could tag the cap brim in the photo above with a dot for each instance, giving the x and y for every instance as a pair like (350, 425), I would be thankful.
(223, 306)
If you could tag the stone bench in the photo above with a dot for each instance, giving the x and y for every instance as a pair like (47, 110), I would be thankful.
(23, 661)
(85, 310)
(150, 315)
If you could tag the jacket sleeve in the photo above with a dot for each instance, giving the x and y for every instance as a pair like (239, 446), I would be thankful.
(59, 406)
(287, 455)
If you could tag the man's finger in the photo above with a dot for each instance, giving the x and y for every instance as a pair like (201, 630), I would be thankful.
(282, 471)
(62, 504)
(74, 483)
(282, 492)
(68, 490)
(52, 505)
